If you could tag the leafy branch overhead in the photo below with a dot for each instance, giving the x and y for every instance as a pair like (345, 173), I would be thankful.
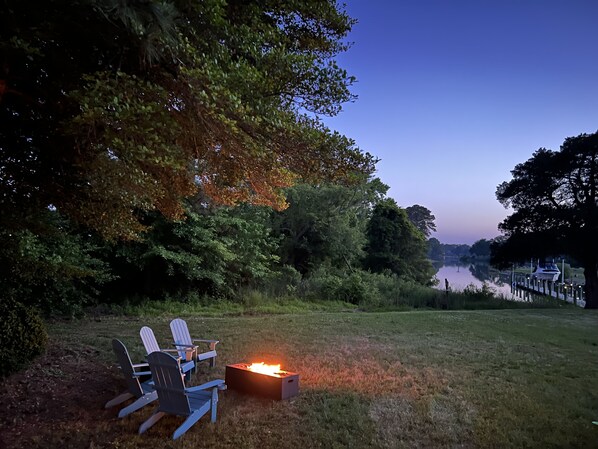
(114, 107)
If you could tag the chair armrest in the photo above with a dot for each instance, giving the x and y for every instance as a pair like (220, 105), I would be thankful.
(212, 343)
(171, 350)
(186, 366)
(206, 355)
(219, 383)
(139, 365)
(184, 345)
(207, 341)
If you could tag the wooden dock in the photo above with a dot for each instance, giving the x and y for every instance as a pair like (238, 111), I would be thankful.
(573, 294)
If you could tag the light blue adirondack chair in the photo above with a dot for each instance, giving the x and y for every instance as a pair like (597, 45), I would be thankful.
(143, 391)
(186, 359)
(175, 399)
(184, 342)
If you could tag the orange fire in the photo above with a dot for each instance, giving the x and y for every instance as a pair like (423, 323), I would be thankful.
(262, 368)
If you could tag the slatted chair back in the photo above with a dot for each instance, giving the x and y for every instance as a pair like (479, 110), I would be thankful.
(180, 334)
(126, 366)
(149, 340)
(169, 384)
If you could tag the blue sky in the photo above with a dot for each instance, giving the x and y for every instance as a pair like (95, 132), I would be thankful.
(453, 94)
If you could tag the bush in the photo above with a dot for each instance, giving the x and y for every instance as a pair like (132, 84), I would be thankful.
(22, 336)
(358, 287)
(282, 282)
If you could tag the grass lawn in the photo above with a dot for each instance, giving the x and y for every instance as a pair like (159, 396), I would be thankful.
(429, 379)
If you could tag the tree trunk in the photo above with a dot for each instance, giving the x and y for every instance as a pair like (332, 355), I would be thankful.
(591, 288)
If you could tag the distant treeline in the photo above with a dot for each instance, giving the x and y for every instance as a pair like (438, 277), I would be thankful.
(481, 249)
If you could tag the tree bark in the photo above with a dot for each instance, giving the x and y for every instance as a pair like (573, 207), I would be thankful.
(591, 288)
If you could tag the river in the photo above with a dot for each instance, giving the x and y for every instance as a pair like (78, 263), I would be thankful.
(460, 276)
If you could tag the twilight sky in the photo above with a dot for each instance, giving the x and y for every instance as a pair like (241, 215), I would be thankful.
(453, 94)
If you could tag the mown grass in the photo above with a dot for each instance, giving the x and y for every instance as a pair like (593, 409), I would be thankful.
(422, 379)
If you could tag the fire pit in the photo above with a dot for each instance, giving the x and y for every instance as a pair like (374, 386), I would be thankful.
(258, 379)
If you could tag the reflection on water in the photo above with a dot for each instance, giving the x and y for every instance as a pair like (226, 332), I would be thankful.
(460, 276)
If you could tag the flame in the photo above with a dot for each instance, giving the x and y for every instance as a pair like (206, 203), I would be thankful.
(262, 368)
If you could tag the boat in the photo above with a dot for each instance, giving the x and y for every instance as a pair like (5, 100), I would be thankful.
(546, 271)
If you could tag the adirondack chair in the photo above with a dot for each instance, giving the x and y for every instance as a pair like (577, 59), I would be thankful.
(186, 359)
(138, 388)
(175, 399)
(184, 342)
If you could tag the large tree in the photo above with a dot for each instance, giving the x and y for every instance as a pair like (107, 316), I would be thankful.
(211, 252)
(422, 218)
(111, 107)
(326, 224)
(554, 195)
(394, 244)
(115, 110)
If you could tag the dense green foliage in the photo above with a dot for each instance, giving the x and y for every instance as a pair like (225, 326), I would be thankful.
(56, 270)
(210, 252)
(554, 195)
(22, 335)
(130, 129)
(325, 224)
(112, 107)
(394, 244)
(118, 115)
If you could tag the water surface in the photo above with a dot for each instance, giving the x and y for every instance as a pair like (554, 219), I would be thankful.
(460, 276)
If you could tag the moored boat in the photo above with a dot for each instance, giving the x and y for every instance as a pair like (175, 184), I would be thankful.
(546, 271)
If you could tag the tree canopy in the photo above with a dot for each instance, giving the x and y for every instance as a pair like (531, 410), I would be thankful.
(128, 128)
(112, 107)
(554, 195)
(395, 244)
(435, 249)
(481, 248)
(326, 224)
(422, 218)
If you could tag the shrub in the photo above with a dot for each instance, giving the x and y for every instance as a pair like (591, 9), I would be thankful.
(483, 292)
(22, 336)
(321, 284)
(358, 287)
(282, 282)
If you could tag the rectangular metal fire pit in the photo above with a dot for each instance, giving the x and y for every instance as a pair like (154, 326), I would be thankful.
(281, 385)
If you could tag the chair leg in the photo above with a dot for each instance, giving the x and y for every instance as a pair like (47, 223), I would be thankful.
(151, 421)
(139, 403)
(214, 404)
(118, 400)
(191, 419)
(212, 362)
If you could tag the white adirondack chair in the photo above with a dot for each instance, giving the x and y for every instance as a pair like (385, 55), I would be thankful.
(143, 391)
(175, 399)
(184, 342)
(186, 359)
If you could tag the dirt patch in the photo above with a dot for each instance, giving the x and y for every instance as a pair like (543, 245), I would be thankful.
(63, 385)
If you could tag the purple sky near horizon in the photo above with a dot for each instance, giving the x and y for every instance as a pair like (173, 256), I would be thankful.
(453, 94)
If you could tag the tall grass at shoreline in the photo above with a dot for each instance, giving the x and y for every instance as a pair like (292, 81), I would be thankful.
(403, 298)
